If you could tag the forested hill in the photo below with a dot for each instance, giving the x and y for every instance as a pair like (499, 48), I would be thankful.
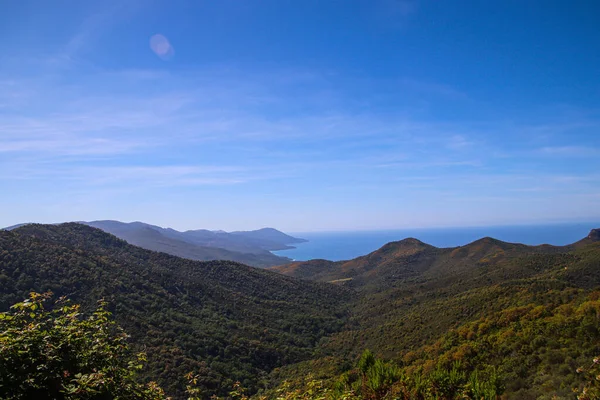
(523, 317)
(407, 259)
(529, 313)
(225, 320)
(248, 247)
(270, 237)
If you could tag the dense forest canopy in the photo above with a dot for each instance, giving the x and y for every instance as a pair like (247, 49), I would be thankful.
(483, 320)
(229, 321)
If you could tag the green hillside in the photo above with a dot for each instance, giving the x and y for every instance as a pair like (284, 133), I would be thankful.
(250, 248)
(490, 317)
(530, 313)
(226, 320)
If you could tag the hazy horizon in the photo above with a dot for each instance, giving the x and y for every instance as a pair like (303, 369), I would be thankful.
(593, 224)
(303, 116)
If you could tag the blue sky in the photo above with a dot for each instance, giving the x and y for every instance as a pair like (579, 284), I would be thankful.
(302, 115)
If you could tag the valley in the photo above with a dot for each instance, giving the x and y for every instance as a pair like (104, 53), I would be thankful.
(527, 314)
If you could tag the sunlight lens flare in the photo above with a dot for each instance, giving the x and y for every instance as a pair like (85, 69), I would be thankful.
(161, 47)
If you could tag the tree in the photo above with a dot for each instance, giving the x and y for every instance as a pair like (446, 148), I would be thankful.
(591, 375)
(51, 351)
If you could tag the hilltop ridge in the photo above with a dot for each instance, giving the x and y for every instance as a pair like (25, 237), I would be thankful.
(247, 247)
(231, 321)
(411, 256)
(528, 312)
(250, 248)
(594, 236)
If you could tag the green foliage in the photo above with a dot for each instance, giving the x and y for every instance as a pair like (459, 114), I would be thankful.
(366, 362)
(227, 322)
(59, 354)
(529, 314)
(477, 388)
(385, 380)
(535, 347)
(591, 376)
(453, 323)
(375, 379)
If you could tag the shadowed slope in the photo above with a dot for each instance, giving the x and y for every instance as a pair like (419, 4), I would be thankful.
(224, 320)
(411, 258)
(201, 245)
(529, 312)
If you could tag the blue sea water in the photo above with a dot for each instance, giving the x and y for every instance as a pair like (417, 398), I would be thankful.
(337, 246)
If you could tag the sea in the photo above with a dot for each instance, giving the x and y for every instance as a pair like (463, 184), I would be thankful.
(336, 246)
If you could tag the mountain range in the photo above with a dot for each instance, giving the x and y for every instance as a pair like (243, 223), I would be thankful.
(230, 321)
(526, 314)
(247, 247)
(412, 258)
(426, 307)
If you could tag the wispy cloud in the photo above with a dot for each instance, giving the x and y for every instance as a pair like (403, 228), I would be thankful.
(145, 111)
(570, 151)
(67, 146)
(119, 133)
(92, 27)
(432, 164)
(457, 142)
(164, 176)
(135, 176)
(434, 88)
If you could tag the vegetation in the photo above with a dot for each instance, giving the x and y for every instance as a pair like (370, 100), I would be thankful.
(374, 379)
(226, 321)
(49, 351)
(529, 314)
(591, 375)
(484, 320)
(250, 248)
(56, 354)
